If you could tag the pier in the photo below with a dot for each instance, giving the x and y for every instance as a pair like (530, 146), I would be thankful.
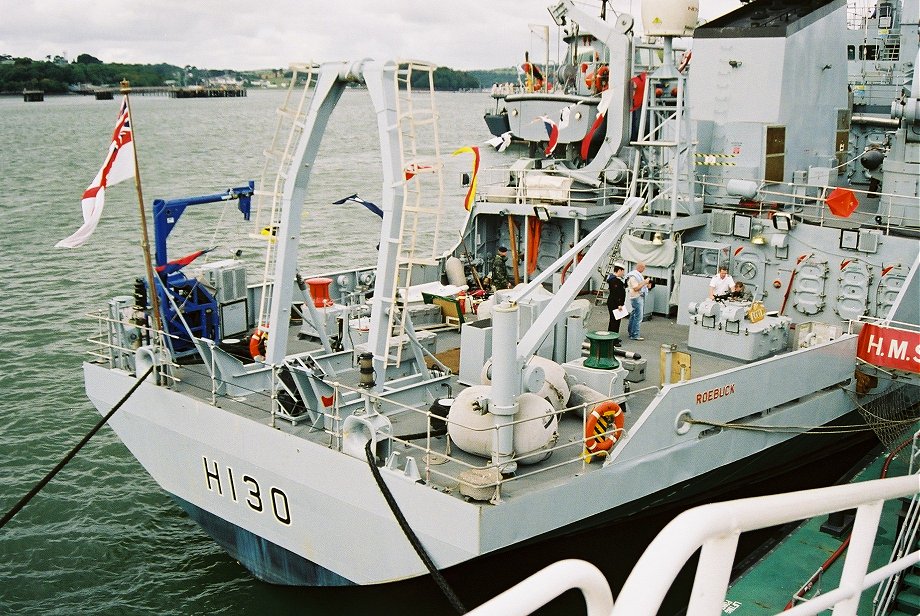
(224, 91)
(33, 96)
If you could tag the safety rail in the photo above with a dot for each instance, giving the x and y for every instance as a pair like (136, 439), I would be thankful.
(715, 529)
(435, 458)
(808, 202)
(907, 537)
(853, 325)
(107, 350)
(544, 187)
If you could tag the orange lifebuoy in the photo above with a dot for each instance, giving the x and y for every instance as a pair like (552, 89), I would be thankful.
(598, 437)
(257, 344)
(601, 79)
(598, 80)
(565, 269)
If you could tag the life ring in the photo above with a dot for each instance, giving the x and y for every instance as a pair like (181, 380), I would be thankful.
(597, 436)
(565, 269)
(598, 80)
(684, 61)
(257, 344)
(601, 79)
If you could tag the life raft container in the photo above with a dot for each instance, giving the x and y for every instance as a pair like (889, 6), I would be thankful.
(257, 344)
(598, 435)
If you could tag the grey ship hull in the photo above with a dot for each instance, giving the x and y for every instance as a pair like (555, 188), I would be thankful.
(306, 514)
(276, 565)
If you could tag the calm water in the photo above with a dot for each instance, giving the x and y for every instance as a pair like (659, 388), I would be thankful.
(102, 537)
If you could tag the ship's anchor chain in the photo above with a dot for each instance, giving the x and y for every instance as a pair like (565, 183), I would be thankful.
(410, 534)
(41, 484)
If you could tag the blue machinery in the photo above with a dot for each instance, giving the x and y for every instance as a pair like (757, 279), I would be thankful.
(177, 293)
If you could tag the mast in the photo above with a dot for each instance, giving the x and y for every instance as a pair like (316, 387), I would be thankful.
(145, 238)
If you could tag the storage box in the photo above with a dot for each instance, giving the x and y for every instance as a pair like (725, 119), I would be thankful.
(635, 369)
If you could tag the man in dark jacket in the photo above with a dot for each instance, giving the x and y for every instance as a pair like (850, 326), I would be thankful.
(616, 296)
(500, 269)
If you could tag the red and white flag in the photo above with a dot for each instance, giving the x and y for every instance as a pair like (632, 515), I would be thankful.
(118, 167)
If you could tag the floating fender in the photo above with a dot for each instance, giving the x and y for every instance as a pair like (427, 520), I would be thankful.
(453, 267)
(469, 427)
(555, 388)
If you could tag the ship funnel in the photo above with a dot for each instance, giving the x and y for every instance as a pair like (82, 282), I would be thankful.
(670, 17)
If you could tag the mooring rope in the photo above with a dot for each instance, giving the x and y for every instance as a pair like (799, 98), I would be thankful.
(41, 484)
(842, 429)
(839, 429)
(410, 534)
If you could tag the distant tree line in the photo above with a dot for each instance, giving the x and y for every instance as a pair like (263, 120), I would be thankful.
(57, 76)
(487, 78)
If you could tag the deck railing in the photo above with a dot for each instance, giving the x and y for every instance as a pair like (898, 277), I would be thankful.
(715, 529)
(119, 342)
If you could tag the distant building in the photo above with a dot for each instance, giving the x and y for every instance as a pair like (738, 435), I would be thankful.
(223, 81)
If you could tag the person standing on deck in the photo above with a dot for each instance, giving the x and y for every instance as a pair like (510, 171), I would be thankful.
(638, 286)
(721, 284)
(500, 270)
(616, 296)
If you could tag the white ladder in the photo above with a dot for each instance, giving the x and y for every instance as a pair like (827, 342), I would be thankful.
(289, 126)
(664, 138)
(423, 187)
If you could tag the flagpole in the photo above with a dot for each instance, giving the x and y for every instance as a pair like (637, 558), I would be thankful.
(145, 241)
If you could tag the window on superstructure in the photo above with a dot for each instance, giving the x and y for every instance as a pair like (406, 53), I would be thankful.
(885, 16)
(891, 52)
(775, 154)
(851, 52)
(868, 52)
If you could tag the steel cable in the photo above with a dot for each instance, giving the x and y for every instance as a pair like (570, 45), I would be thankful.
(41, 484)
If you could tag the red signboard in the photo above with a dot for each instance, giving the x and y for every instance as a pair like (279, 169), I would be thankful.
(887, 347)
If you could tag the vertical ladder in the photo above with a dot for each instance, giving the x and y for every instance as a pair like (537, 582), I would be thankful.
(423, 186)
(663, 139)
(600, 298)
(289, 126)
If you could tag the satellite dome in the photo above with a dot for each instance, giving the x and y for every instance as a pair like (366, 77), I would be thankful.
(670, 17)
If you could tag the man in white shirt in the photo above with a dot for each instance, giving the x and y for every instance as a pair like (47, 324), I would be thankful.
(637, 286)
(721, 284)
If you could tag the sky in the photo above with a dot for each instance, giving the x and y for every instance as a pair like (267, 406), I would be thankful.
(253, 34)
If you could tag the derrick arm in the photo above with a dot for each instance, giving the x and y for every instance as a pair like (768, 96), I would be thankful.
(166, 213)
(602, 240)
(328, 90)
(618, 41)
(333, 77)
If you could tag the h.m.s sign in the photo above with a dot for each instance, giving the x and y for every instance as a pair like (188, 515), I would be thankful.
(888, 347)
